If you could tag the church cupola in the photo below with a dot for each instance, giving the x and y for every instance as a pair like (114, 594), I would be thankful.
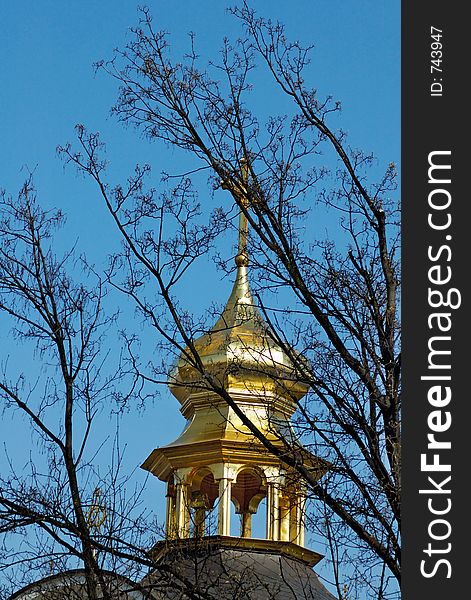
(217, 460)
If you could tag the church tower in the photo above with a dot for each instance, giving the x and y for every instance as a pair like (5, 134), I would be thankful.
(217, 460)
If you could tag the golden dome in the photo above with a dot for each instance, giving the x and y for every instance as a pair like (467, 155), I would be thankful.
(240, 353)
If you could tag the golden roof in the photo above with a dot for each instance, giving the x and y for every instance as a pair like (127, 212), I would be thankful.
(240, 352)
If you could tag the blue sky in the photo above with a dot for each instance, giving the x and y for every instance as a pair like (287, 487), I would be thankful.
(48, 84)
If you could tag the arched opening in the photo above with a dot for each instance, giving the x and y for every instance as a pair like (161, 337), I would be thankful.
(248, 491)
(203, 493)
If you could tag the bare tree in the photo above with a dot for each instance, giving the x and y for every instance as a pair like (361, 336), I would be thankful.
(58, 507)
(339, 299)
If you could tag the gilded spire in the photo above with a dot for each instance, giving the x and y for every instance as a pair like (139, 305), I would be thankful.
(241, 192)
(240, 308)
(242, 258)
(239, 349)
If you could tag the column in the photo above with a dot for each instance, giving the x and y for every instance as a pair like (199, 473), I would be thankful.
(284, 519)
(297, 519)
(269, 532)
(273, 512)
(246, 525)
(182, 511)
(302, 505)
(224, 514)
(170, 516)
(276, 512)
(200, 516)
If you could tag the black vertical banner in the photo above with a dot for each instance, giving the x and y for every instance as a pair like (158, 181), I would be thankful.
(435, 305)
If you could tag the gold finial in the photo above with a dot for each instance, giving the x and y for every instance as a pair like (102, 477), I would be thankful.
(242, 258)
(96, 514)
